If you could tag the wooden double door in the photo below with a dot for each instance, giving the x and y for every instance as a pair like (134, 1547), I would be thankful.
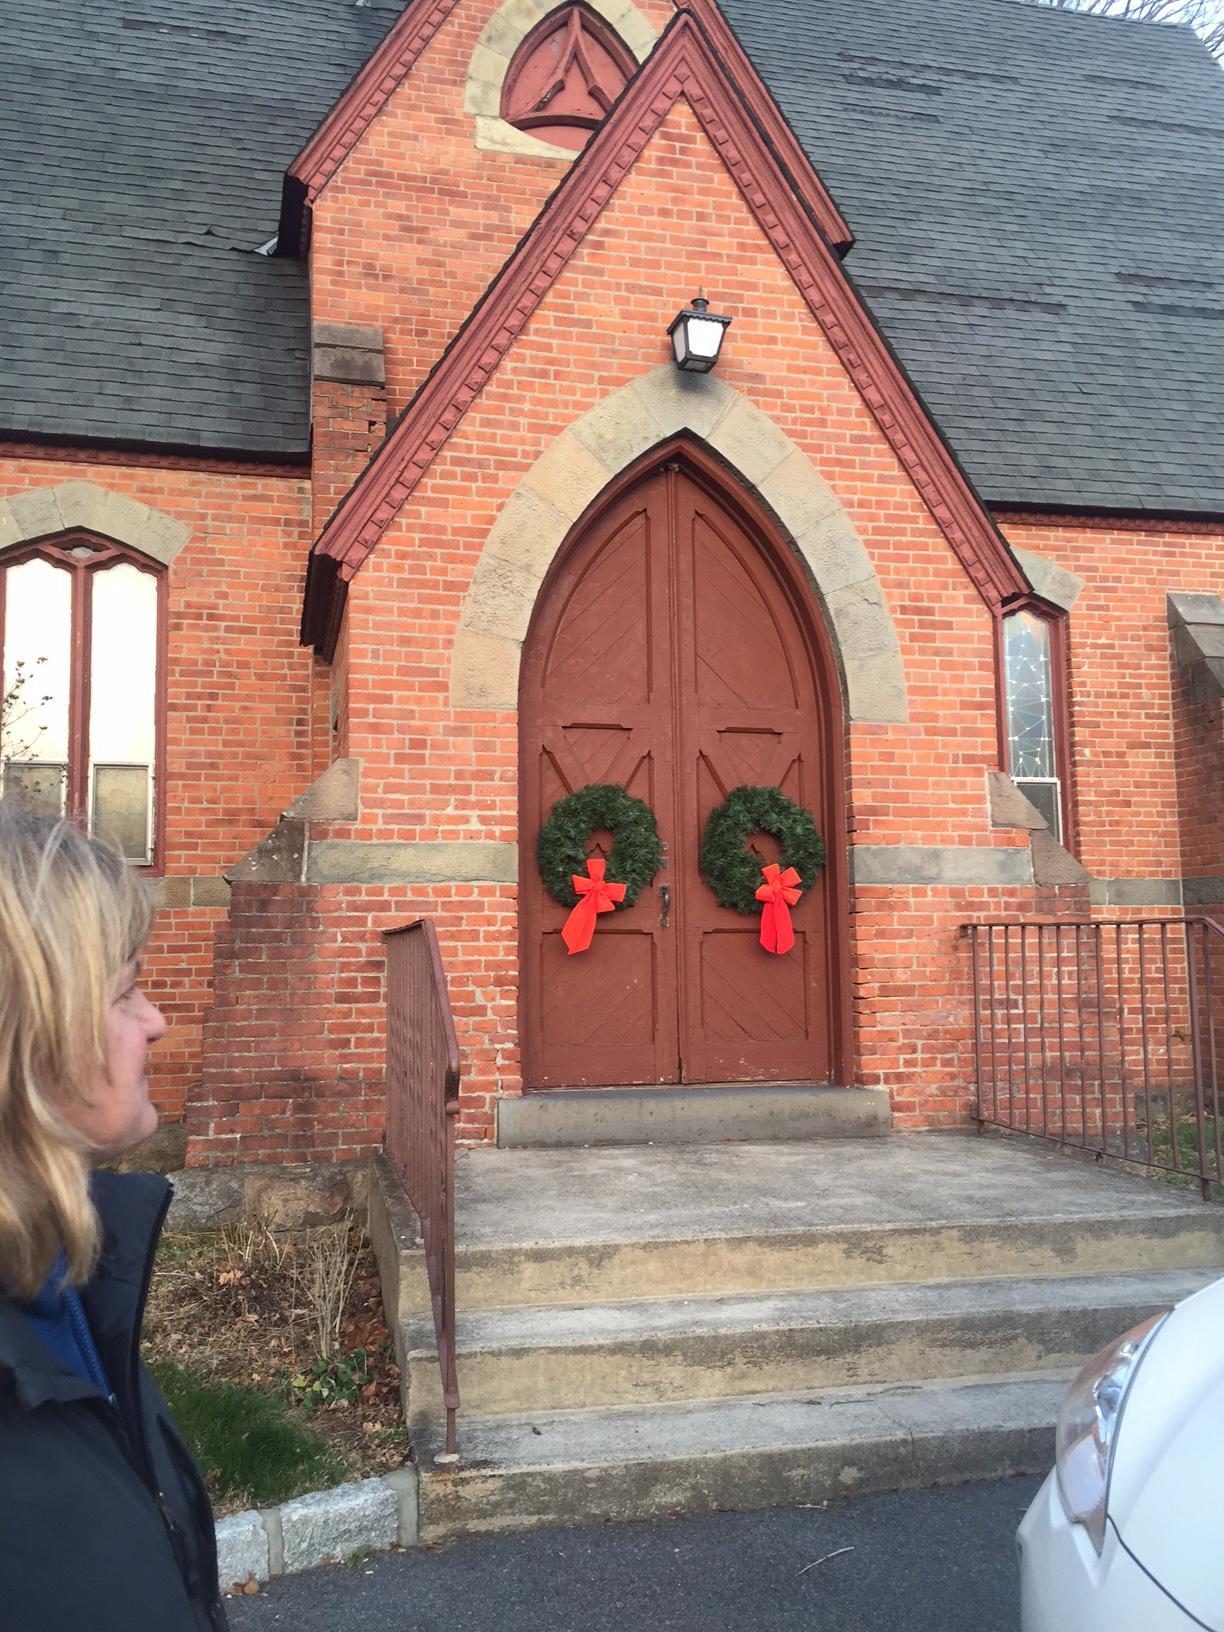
(671, 654)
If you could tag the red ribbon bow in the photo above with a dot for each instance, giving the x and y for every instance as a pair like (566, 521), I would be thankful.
(779, 893)
(596, 897)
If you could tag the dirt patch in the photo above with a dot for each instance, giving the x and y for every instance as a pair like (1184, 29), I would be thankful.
(297, 1318)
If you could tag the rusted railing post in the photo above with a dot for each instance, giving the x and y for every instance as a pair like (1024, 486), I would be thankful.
(422, 1104)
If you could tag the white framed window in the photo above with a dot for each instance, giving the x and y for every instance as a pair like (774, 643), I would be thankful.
(82, 624)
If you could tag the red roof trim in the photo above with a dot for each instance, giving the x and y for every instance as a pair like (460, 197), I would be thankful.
(778, 134)
(684, 64)
(412, 31)
(350, 118)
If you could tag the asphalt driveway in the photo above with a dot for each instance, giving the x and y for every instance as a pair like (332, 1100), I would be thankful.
(923, 1561)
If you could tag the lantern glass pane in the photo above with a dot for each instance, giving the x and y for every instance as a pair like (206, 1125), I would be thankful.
(678, 336)
(704, 337)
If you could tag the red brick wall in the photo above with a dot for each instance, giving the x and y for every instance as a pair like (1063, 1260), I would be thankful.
(294, 1047)
(237, 698)
(1147, 765)
(412, 229)
(1198, 747)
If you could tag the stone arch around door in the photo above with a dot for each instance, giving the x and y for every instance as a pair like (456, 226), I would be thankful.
(575, 469)
(676, 650)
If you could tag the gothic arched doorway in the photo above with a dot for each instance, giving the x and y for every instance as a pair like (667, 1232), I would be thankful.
(676, 650)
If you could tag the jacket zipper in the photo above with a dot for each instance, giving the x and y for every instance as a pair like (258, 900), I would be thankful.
(88, 1349)
(148, 1473)
(136, 1431)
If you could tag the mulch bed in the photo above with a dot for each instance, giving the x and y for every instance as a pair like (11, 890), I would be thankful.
(233, 1306)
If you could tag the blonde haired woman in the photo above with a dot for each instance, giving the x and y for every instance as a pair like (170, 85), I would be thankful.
(105, 1524)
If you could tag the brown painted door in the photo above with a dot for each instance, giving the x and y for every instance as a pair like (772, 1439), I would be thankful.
(669, 656)
(747, 711)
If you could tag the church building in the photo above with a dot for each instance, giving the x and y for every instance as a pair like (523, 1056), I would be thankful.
(765, 459)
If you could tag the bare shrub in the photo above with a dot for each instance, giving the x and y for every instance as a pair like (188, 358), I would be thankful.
(249, 1243)
(324, 1265)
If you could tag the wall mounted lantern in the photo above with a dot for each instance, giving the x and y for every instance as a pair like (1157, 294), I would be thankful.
(697, 336)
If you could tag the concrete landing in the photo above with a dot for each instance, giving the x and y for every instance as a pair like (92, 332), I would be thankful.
(637, 1193)
(603, 1226)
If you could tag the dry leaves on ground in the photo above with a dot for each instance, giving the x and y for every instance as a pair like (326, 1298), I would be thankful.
(248, 1306)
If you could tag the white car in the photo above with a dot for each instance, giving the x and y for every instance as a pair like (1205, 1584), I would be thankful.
(1127, 1533)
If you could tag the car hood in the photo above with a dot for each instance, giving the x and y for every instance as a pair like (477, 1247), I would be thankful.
(1166, 1492)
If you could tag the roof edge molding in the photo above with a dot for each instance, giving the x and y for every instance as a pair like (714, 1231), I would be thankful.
(685, 64)
(493, 53)
(775, 131)
(351, 116)
(574, 470)
(44, 512)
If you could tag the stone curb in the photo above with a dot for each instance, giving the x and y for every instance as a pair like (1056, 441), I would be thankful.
(324, 1528)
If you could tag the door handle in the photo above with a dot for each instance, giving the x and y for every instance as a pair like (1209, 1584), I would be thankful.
(665, 898)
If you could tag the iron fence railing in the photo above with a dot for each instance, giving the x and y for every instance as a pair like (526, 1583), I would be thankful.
(422, 1102)
(1105, 1035)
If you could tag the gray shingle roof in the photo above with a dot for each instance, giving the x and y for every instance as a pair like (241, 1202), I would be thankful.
(1038, 198)
(1038, 201)
(143, 145)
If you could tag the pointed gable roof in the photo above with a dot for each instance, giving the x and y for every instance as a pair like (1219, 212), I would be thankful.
(685, 64)
(390, 64)
(366, 94)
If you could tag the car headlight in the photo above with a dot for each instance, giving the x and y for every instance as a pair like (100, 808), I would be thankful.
(1088, 1426)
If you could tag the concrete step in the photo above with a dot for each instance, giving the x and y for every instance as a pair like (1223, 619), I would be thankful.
(699, 1113)
(663, 1351)
(582, 1467)
(544, 1274)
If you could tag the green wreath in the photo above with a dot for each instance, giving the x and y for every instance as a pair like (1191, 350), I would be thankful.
(730, 868)
(562, 847)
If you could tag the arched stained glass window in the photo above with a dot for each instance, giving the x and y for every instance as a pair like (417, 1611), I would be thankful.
(80, 637)
(565, 76)
(1033, 711)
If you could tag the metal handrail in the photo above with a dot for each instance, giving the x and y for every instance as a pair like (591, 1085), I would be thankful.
(1105, 1035)
(422, 1103)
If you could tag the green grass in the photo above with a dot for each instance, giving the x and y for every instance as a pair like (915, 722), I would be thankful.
(249, 1445)
(1187, 1150)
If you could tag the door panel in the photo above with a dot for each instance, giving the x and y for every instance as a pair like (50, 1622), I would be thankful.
(597, 707)
(668, 656)
(748, 711)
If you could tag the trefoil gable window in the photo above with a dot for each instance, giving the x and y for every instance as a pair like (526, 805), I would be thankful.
(82, 638)
(565, 76)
